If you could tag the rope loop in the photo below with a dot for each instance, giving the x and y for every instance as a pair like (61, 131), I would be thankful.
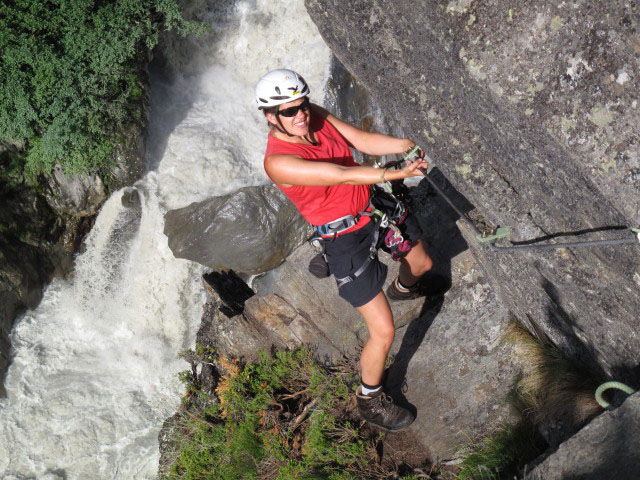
(606, 386)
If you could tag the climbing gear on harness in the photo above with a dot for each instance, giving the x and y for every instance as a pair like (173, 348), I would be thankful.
(606, 386)
(383, 202)
(386, 212)
(318, 266)
(373, 253)
(341, 224)
(280, 86)
(378, 409)
(345, 223)
(395, 242)
(503, 232)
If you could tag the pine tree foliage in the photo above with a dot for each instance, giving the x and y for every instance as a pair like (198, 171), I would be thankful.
(70, 75)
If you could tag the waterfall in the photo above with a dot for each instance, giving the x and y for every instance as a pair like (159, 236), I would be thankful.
(94, 367)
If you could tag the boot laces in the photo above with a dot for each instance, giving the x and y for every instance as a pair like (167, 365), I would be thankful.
(386, 399)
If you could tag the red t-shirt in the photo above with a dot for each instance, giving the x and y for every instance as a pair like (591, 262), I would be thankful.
(323, 204)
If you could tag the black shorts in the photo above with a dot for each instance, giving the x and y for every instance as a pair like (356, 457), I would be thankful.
(346, 253)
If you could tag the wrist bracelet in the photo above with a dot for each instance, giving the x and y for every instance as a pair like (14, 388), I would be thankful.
(384, 170)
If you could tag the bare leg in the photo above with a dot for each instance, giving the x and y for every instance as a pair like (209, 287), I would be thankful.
(377, 408)
(415, 264)
(379, 319)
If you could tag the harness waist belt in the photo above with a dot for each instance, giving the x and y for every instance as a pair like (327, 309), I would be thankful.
(337, 226)
(341, 224)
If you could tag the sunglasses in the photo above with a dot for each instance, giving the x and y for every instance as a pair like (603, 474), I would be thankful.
(293, 111)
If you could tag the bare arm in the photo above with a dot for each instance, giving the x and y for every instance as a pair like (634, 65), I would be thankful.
(366, 142)
(287, 170)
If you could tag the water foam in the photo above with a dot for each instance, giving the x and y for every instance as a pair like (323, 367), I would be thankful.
(94, 371)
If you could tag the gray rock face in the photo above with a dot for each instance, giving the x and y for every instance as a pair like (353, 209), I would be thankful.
(449, 351)
(608, 447)
(250, 231)
(530, 112)
(75, 194)
(29, 256)
(455, 368)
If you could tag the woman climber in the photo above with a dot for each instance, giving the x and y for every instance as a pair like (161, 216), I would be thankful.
(309, 159)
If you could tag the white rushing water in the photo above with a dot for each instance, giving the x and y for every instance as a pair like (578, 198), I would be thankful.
(94, 371)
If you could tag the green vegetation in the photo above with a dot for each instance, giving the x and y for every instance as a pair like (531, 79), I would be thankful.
(283, 417)
(286, 417)
(71, 75)
(553, 385)
(504, 454)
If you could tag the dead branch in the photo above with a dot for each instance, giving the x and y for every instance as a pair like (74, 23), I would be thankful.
(289, 396)
(305, 412)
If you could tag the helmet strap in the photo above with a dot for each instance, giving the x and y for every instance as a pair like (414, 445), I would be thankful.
(281, 129)
(308, 138)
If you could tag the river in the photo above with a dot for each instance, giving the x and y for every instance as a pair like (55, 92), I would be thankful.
(94, 367)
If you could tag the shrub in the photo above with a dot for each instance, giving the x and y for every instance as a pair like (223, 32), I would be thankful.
(284, 417)
(71, 75)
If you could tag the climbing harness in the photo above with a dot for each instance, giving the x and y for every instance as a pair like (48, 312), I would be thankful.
(503, 232)
(386, 212)
(608, 385)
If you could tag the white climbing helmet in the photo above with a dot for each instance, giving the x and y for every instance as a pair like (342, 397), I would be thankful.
(280, 86)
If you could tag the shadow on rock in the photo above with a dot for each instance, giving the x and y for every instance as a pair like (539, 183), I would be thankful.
(233, 291)
(395, 381)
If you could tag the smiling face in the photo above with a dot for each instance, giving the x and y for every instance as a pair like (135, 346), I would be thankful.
(297, 125)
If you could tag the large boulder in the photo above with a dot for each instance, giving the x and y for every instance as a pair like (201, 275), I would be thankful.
(250, 231)
(76, 194)
(530, 112)
(608, 447)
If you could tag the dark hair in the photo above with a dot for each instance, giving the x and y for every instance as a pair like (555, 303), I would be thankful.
(266, 110)
(272, 109)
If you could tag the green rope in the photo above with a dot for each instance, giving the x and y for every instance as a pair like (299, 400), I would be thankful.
(606, 386)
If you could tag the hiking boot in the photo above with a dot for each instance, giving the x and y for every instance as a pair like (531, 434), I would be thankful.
(395, 294)
(379, 409)
(430, 285)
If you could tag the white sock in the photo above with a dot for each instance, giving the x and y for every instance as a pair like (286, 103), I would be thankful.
(401, 287)
(369, 391)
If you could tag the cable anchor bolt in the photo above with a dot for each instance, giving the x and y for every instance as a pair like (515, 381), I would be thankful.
(500, 232)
